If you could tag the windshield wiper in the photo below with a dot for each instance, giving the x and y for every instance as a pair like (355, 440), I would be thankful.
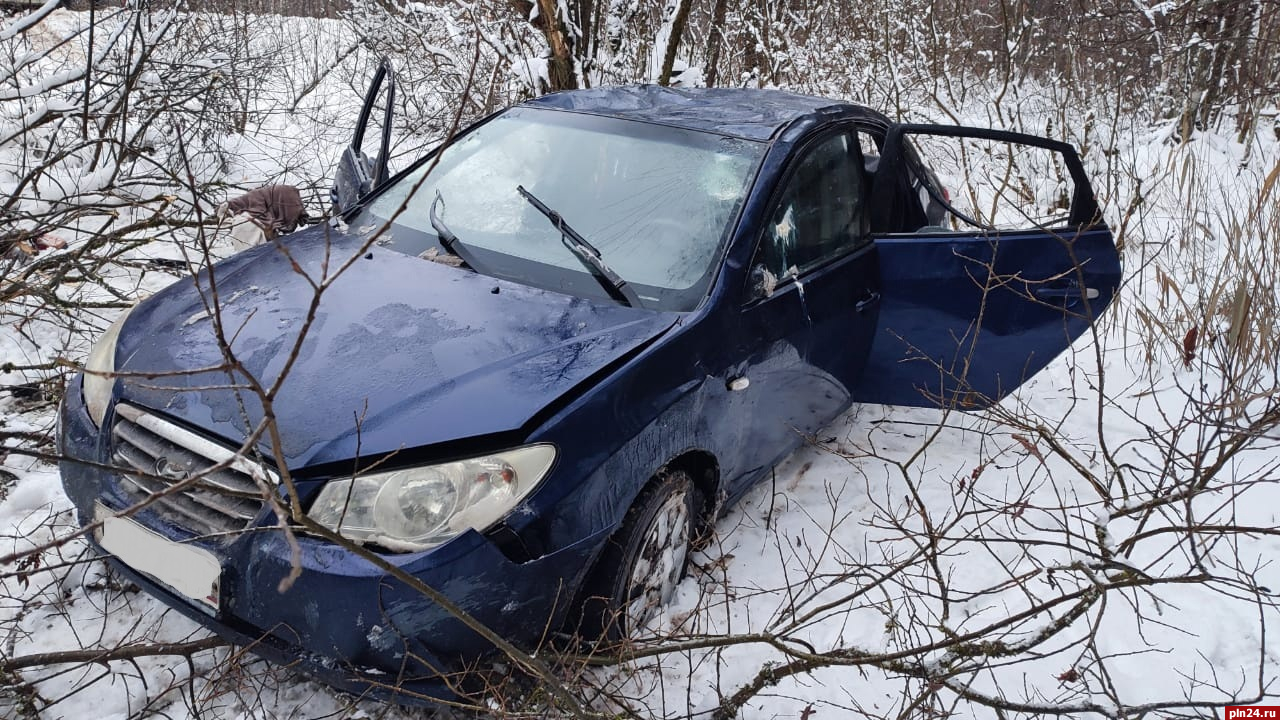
(448, 240)
(586, 253)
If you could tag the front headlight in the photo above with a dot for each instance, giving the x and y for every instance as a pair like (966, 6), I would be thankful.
(419, 508)
(101, 362)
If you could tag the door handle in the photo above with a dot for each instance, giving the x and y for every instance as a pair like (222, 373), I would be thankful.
(866, 302)
(1071, 292)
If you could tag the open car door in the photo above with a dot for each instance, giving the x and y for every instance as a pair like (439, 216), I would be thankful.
(358, 173)
(993, 260)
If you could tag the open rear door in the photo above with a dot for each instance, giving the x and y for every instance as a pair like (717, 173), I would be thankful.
(358, 173)
(1006, 264)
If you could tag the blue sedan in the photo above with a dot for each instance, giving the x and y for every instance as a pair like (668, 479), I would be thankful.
(563, 344)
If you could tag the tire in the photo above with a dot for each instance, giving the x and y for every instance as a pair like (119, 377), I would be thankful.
(639, 568)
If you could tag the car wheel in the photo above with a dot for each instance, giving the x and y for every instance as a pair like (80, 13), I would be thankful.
(639, 569)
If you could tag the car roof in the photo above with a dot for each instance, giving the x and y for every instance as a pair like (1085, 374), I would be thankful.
(741, 112)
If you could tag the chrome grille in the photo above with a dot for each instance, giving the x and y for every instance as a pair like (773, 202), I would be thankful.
(214, 502)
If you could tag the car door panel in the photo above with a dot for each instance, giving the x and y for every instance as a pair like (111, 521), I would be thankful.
(812, 329)
(966, 320)
(968, 316)
(842, 291)
(843, 299)
(770, 385)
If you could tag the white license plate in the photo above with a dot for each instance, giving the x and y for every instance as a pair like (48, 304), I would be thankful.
(187, 570)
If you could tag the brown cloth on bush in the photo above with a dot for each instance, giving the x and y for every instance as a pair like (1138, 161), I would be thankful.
(17, 248)
(277, 209)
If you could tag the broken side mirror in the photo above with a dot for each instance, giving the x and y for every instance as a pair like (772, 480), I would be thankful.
(358, 173)
(762, 283)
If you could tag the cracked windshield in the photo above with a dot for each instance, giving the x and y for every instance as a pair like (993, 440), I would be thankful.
(656, 202)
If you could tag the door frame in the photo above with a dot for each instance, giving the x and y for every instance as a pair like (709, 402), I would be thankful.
(353, 179)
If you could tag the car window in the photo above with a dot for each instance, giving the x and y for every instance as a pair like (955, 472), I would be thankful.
(820, 213)
(869, 144)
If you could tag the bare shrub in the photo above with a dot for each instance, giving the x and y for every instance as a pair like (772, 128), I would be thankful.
(1051, 556)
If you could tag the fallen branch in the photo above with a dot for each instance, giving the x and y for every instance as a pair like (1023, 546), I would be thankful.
(124, 652)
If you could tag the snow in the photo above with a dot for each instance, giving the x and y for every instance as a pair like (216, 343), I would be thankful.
(828, 553)
(12, 29)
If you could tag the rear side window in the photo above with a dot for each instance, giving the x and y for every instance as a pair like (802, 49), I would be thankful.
(820, 212)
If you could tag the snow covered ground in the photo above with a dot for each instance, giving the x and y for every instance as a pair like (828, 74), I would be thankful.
(1050, 530)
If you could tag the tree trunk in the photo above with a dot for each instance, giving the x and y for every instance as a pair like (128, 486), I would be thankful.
(673, 40)
(715, 39)
(584, 16)
(616, 18)
(1221, 31)
(560, 71)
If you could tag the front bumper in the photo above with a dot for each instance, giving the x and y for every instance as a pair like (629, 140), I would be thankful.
(343, 621)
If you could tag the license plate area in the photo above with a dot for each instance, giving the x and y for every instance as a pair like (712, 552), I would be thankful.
(187, 570)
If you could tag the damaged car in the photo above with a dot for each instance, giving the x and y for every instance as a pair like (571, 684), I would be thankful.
(531, 367)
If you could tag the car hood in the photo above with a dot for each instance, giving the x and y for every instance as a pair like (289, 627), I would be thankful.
(398, 353)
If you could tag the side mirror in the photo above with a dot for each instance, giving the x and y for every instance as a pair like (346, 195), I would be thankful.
(763, 282)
